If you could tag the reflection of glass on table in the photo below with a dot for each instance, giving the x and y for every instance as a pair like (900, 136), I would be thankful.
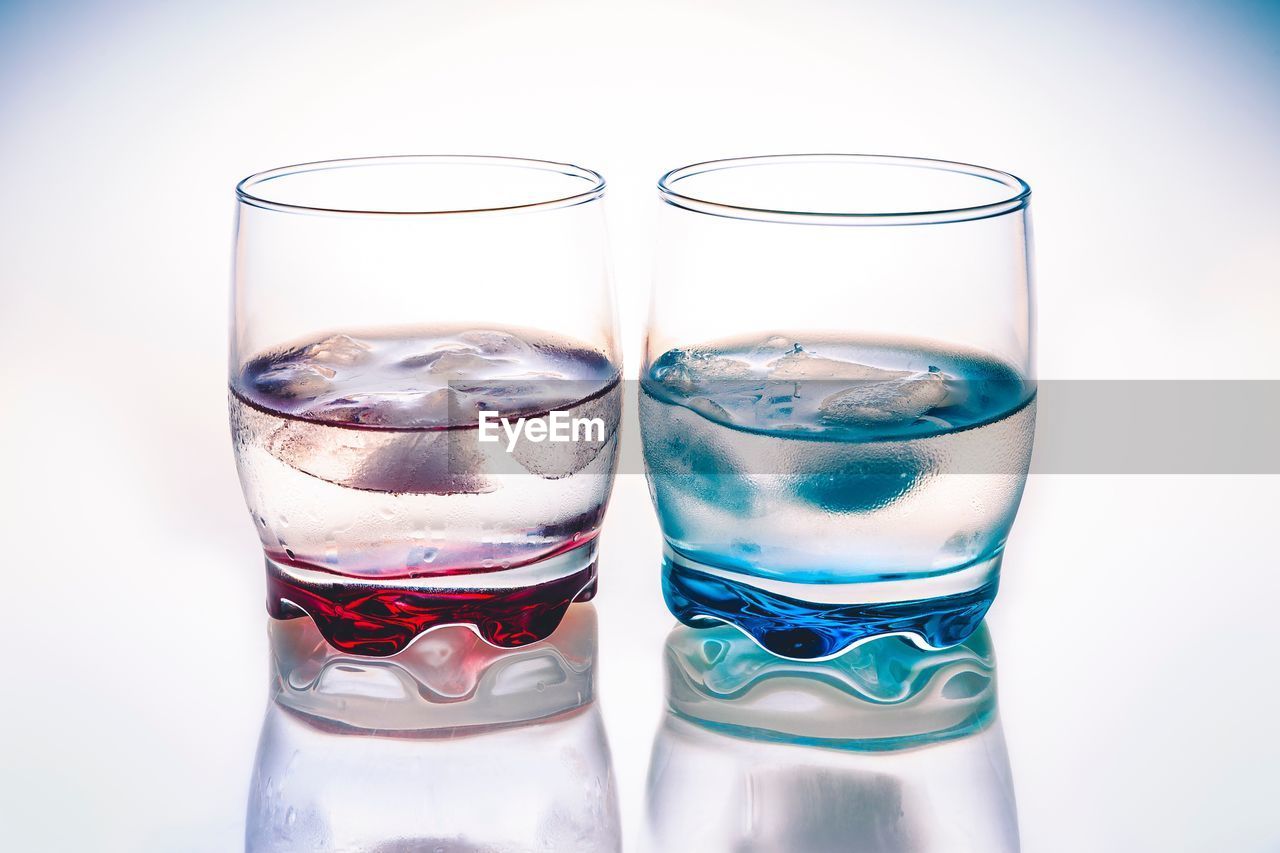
(453, 742)
(884, 748)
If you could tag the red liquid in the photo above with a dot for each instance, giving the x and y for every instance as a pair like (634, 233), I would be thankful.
(377, 622)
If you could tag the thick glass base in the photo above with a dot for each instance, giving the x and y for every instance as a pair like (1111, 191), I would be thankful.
(381, 617)
(447, 683)
(881, 696)
(807, 621)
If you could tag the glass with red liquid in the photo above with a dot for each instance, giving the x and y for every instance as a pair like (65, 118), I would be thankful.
(424, 392)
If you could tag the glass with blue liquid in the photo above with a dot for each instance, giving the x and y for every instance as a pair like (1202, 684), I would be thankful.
(838, 401)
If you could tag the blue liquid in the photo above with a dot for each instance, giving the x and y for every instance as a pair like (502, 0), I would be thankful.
(826, 462)
(793, 628)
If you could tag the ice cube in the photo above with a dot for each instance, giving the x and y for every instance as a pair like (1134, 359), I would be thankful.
(776, 346)
(689, 371)
(469, 355)
(861, 480)
(294, 381)
(433, 408)
(461, 364)
(539, 389)
(895, 401)
(438, 462)
(777, 403)
(800, 366)
(555, 459)
(418, 361)
(490, 342)
(391, 408)
(689, 460)
(338, 349)
(709, 408)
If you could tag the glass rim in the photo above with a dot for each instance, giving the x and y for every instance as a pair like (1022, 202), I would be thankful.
(594, 191)
(1020, 192)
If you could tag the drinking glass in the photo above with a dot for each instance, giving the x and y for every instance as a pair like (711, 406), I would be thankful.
(424, 392)
(837, 399)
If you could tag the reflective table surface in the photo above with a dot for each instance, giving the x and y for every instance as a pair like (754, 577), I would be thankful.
(1120, 696)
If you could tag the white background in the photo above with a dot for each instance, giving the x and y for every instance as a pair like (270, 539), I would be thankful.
(1135, 625)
